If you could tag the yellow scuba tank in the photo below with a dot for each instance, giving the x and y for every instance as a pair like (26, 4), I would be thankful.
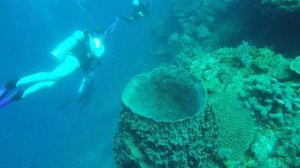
(96, 45)
(67, 45)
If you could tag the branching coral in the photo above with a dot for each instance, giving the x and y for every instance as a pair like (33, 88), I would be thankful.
(267, 61)
(273, 102)
(295, 65)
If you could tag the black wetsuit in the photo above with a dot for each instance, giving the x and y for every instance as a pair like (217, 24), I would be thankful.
(138, 11)
(81, 52)
(143, 7)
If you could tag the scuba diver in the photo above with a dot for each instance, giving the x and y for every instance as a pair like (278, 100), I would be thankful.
(140, 9)
(79, 51)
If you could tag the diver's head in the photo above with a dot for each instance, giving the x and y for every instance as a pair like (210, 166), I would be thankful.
(96, 43)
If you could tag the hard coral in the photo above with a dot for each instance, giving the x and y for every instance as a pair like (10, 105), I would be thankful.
(273, 102)
(295, 65)
(162, 123)
(268, 62)
(165, 95)
(235, 125)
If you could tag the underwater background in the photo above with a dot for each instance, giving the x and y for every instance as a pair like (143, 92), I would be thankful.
(35, 132)
(224, 91)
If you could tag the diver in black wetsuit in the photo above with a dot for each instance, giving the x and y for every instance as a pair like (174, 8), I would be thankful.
(140, 9)
(78, 51)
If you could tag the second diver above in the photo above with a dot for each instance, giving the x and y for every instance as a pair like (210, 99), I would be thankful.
(140, 9)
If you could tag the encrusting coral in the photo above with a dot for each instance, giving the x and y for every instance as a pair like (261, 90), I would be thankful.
(235, 126)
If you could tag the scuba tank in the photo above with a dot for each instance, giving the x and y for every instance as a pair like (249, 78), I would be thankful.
(97, 47)
(68, 45)
(82, 86)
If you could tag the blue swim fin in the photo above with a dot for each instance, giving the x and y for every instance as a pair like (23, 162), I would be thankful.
(15, 96)
(3, 91)
(7, 87)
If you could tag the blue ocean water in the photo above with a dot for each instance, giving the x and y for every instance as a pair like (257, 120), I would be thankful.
(35, 132)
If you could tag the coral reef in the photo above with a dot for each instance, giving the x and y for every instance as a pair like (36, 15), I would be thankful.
(276, 148)
(235, 126)
(220, 70)
(263, 147)
(253, 111)
(141, 142)
(266, 61)
(227, 69)
(245, 85)
(266, 89)
(165, 95)
(215, 24)
(289, 5)
(154, 132)
(295, 65)
(274, 103)
(196, 21)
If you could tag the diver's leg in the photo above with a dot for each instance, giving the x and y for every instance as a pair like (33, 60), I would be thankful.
(37, 77)
(37, 87)
(20, 94)
(69, 65)
(14, 96)
(44, 80)
(7, 87)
